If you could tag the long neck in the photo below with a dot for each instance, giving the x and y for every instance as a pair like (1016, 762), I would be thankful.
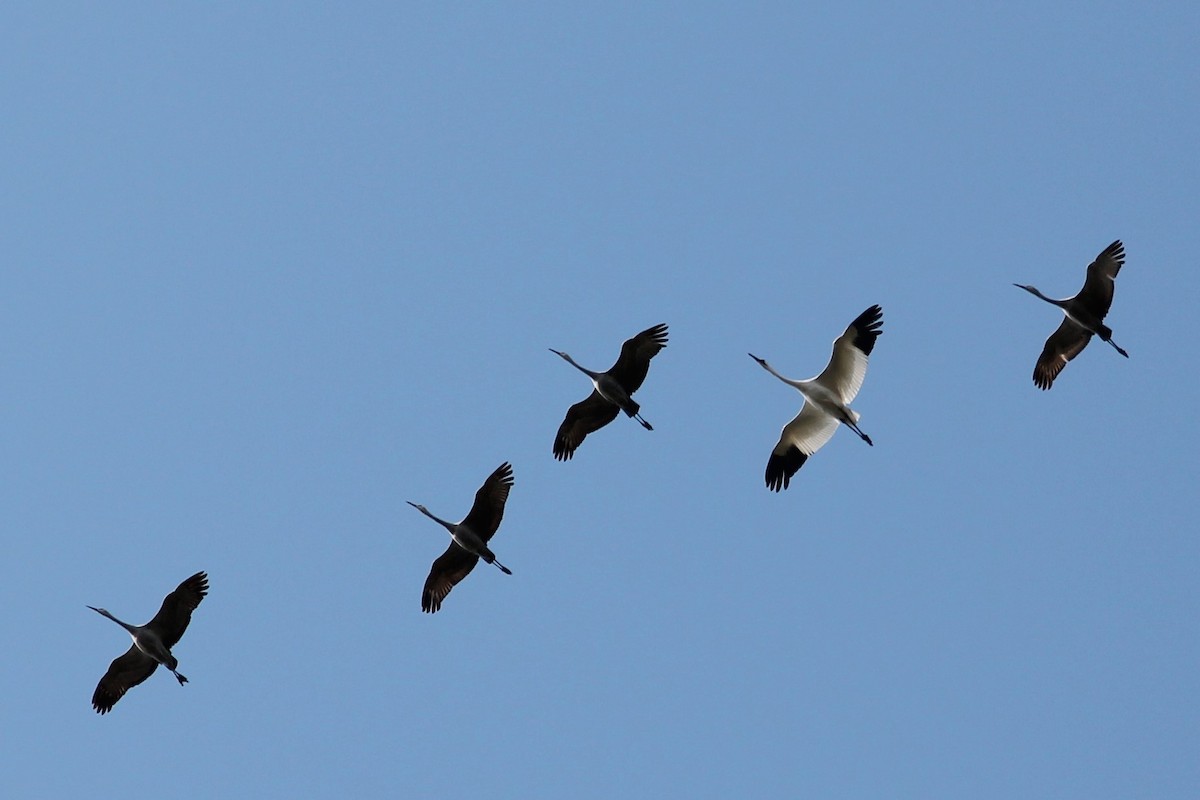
(125, 625)
(789, 381)
(450, 526)
(1034, 291)
(584, 370)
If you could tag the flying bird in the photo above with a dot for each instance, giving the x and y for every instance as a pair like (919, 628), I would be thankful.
(152, 643)
(612, 391)
(1083, 316)
(827, 399)
(469, 538)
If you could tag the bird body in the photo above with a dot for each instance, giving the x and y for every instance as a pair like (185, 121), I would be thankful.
(469, 538)
(470, 541)
(827, 399)
(1083, 316)
(612, 391)
(152, 643)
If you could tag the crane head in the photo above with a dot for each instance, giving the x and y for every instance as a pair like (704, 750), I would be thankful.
(761, 361)
(418, 506)
(559, 353)
(103, 611)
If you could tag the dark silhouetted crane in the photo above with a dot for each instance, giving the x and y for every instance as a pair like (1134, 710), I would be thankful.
(469, 538)
(152, 643)
(612, 391)
(1083, 316)
(827, 399)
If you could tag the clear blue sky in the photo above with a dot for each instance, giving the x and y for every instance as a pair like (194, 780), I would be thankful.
(272, 269)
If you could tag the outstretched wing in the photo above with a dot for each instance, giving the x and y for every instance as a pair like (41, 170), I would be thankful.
(586, 416)
(1097, 292)
(125, 672)
(848, 366)
(634, 361)
(804, 435)
(448, 569)
(1063, 345)
(485, 515)
(172, 619)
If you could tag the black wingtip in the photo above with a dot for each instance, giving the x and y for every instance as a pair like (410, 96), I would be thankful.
(781, 468)
(867, 328)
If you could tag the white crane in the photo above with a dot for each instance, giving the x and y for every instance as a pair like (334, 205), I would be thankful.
(827, 399)
(469, 538)
(1083, 316)
(612, 391)
(152, 643)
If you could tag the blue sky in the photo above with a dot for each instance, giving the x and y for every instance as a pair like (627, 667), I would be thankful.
(271, 270)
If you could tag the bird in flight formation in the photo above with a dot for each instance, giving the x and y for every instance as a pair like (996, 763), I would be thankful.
(152, 643)
(827, 399)
(469, 538)
(612, 391)
(1083, 316)
(826, 405)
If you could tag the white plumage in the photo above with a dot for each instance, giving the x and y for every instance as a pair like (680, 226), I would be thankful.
(827, 399)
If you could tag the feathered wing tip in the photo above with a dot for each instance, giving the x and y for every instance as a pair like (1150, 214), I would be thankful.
(655, 335)
(587, 416)
(1111, 259)
(782, 466)
(867, 327)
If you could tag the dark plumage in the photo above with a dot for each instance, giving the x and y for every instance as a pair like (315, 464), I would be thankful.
(1083, 316)
(152, 643)
(611, 393)
(469, 539)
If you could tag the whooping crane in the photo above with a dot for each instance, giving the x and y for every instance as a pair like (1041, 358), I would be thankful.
(152, 643)
(1083, 316)
(612, 391)
(827, 399)
(469, 538)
